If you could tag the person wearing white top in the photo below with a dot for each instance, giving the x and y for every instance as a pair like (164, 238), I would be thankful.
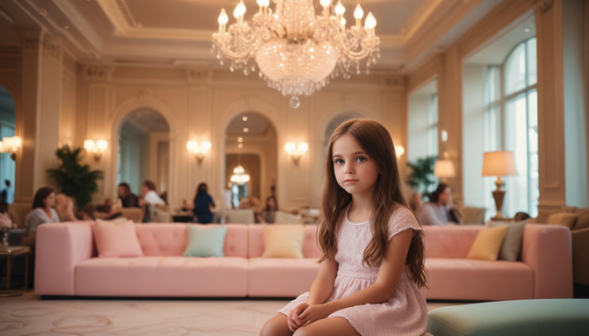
(150, 196)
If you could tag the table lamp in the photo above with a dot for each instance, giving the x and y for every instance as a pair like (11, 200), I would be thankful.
(444, 169)
(499, 163)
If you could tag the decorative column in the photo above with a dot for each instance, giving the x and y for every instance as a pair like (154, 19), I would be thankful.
(41, 103)
(560, 106)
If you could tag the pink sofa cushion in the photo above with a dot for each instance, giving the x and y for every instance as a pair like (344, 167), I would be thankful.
(450, 241)
(465, 279)
(256, 242)
(170, 239)
(162, 276)
(281, 277)
(116, 240)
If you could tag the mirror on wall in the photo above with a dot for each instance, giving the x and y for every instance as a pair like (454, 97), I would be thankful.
(144, 151)
(250, 160)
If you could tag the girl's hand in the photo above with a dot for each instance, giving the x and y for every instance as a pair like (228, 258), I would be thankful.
(315, 313)
(293, 318)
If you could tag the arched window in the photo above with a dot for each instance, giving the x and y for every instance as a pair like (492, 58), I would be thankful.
(511, 123)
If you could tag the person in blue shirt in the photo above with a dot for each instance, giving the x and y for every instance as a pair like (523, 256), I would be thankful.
(202, 205)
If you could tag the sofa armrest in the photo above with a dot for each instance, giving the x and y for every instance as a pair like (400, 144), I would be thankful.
(581, 256)
(59, 248)
(547, 249)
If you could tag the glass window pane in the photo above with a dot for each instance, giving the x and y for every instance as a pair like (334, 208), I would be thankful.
(516, 140)
(515, 70)
(532, 62)
(433, 125)
(533, 190)
(492, 84)
(493, 129)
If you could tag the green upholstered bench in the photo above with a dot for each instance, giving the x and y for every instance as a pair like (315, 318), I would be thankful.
(507, 318)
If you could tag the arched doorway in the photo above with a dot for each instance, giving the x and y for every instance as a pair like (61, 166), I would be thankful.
(7, 165)
(251, 142)
(144, 151)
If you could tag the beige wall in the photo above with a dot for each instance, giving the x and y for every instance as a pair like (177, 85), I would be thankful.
(199, 104)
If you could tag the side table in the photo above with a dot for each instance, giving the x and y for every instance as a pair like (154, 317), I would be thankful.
(9, 252)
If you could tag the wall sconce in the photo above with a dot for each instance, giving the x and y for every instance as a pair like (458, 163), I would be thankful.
(198, 149)
(296, 150)
(10, 144)
(96, 148)
(399, 150)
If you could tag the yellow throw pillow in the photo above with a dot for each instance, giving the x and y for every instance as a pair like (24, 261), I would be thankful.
(487, 244)
(284, 241)
(563, 218)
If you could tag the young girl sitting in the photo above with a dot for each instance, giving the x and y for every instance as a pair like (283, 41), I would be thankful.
(373, 263)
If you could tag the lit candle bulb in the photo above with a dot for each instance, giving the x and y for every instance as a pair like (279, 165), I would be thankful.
(340, 9)
(239, 11)
(358, 14)
(370, 22)
(223, 19)
(263, 5)
(325, 4)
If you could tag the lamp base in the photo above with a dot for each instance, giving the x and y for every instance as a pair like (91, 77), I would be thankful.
(498, 196)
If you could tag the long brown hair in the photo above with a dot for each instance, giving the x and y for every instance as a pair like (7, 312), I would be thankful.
(41, 195)
(376, 141)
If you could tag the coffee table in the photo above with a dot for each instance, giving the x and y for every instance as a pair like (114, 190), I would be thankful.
(9, 252)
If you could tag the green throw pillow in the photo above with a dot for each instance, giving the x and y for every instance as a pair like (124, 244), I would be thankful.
(512, 243)
(205, 241)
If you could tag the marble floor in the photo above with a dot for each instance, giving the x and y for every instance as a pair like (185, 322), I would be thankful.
(28, 315)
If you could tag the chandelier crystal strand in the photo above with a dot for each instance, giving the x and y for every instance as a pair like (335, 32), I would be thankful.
(297, 51)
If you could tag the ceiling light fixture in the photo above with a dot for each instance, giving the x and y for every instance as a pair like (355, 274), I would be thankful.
(295, 50)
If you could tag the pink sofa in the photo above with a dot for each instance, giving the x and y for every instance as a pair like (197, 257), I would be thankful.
(66, 264)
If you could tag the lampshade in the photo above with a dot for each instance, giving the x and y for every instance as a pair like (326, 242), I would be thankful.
(444, 169)
(499, 163)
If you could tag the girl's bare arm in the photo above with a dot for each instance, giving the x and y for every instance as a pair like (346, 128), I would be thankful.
(323, 284)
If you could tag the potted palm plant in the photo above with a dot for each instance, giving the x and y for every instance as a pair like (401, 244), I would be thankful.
(422, 174)
(73, 178)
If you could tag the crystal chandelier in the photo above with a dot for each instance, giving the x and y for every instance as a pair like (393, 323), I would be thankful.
(295, 50)
(239, 176)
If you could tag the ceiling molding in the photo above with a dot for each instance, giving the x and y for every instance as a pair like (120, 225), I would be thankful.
(448, 13)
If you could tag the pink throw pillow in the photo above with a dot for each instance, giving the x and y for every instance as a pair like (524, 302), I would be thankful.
(116, 240)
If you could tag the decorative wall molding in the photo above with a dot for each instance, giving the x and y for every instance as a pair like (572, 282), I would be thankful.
(30, 39)
(127, 13)
(145, 96)
(97, 73)
(199, 74)
(53, 48)
(543, 5)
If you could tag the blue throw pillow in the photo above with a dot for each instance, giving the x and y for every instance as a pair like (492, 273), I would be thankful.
(205, 241)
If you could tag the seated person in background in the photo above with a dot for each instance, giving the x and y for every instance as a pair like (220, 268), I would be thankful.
(42, 212)
(150, 195)
(128, 199)
(64, 206)
(164, 197)
(435, 212)
(4, 196)
(244, 203)
(521, 216)
(202, 205)
(415, 202)
(267, 216)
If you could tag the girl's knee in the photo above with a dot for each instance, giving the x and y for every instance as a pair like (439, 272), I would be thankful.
(275, 326)
(304, 331)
